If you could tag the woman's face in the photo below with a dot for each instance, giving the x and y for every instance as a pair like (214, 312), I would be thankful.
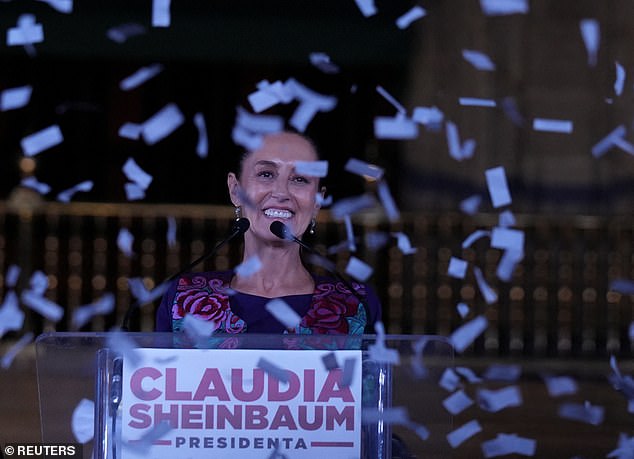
(270, 189)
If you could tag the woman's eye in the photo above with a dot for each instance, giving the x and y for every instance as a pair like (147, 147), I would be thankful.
(265, 174)
(300, 179)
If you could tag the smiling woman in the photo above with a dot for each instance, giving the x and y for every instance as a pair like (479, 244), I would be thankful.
(267, 189)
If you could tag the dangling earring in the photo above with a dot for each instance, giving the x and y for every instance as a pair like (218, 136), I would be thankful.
(237, 211)
(313, 224)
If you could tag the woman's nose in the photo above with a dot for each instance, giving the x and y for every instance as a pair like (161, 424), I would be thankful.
(280, 189)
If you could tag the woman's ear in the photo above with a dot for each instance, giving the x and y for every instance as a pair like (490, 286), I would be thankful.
(233, 185)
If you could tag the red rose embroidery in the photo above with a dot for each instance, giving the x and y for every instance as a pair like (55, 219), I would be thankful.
(204, 305)
(329, 311)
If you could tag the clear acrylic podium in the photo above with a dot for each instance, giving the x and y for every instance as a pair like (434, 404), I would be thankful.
(76, 366)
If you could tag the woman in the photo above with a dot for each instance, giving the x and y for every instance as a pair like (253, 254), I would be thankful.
(268, 188)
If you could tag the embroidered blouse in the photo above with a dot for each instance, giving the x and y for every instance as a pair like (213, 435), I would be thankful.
(331, 309)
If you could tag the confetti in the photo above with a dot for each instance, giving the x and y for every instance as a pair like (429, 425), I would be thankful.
(392, 415)
(391, 99)
(125, 239)
(509, 105)
(500, 372)
(449, 380)
(505, 238)
(9, 356)
(496, 400)
(398, 127)
(27, 32)
(625, 448)
(350, 238)
(430, 117)
(11, 278)
(13, 98)
(505, 444)
(551, 125)
(268, 95)
(311, 102)
(457, 268)
(458, 150)
(62, 6)
(585, 413)
(312, 168)
(374, 240)
(140, 76)
(348, 372)
(202, 146)
(38, 283)
(461, 338)
(83, 314)
(123, 345)
(322, 62)
(171, 231)
(161, 13)
(463, 433)
(471, 204)
(489, 295)
(468, 374)
(365, 170)
(330, 361)
(504, 7)
(283, 313)
(560, 385)
(478, 59)
(83, 421)
(11, 316)
(477, 234)
(142, 294)
(66, 195)
(134, 173)
(278, 373)
(385, 196)
(509, 260)
(367, 7)
(476, 102)
(404, 21)
(506, 219)
(32, 183)
(41, 140)
(590, 34)
(249, 266)
(198, 330)
(457, 402)
(133, 192)
(378, 351)
(131, 131)
(123, 32)
(42, 306)
(358, 269)
(620, 79)
(259, 124)
(624, 286)
(462, 309)
(162, 124)
(404, 244)
(497, 186)
(352, 205)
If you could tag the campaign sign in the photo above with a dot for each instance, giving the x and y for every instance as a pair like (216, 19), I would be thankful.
(219, 403)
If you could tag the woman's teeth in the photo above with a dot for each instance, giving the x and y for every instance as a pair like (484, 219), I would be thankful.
(278, 213)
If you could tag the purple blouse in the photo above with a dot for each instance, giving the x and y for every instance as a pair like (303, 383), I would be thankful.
(330, 309)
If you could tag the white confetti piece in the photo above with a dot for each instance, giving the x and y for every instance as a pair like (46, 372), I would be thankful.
(198, 330)
(463, 309)
(161, 13)
(404, 244)
(625, 448)
(458, 150)
(278, 373)
(374, 240)
(601, 147)
(404, 21)
(310, 104)
(249, 266)
(620, 79)
(501, 372)
(122, 344)
(590, 31)
(247, 139)
(41, 140)
(312, 168)
(560, 385)
(67, 195)
(509, 260)
(13, 98)
(476, 102)
(504, 7)
(322, 62)
(498, 187)
(350, 238)
(457, 268)
(83, 314)
(468, 374)
(457, 402)
(11, 278)
(552, 125)
(624, 286)
(586, 413)
(506, 219)
(358, 269)
(162, 124)
(352, 205)
(142, 294)
(268, 95)
(471, 204)
(10, 355)
(330, 361)
(83, 421)
(42, 306)
(123, 32)
(27, 32)
(202, 146)
(487, 292)
(171, 231)
(11, 316)
(462, 337)
(477, 234)
(506, 238)
(387, 201)
(378, 351)
(134, 173)
(397, 127)
(125, 239)
(364, 169)
(140, 76)
(430, 117)
(349, 367)
(38, 283)
(133, 192)
(283, 313)
(449, 380)
(260, 124)
(131, 131)
(497, 400)
(391, 99)
(392, 415)
(512, 112)
(463, 433)
(478, 59)
(367, 7)
(323, 201)
(62, 6)
(505, 444)
(32, 183)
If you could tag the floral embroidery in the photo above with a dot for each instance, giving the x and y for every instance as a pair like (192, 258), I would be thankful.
(333, 304)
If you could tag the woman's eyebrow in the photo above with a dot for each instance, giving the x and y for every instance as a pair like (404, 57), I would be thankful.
(265, 162)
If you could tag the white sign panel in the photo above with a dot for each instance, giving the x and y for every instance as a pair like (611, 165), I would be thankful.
(219, 403)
